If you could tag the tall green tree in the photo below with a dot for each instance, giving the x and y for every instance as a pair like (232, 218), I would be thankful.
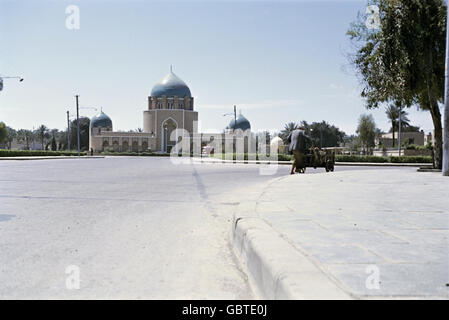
(62, 140)
(351, 142)
(53, 144)
(54, 136)
(3, 133)
(25, 136)
(42, 133)
(84, 134)
(366, 131)
(403, 60)
(12, 134)
(323, 133)
(288, 128)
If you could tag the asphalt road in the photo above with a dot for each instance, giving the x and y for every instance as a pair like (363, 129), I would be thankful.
(129, 227)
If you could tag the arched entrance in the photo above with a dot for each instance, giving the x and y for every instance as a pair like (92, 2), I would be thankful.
(135, 146)
(168, 126)
(115, 146)
(125, 146)
(105, 145)
(144, 146)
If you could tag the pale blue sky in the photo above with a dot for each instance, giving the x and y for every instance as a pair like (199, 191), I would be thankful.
(277, 61)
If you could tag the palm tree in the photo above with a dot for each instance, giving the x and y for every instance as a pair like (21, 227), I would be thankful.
(54, 133)
(288, 128)
(24, 135)
(392, 112)
(42, 132)
(11, 135)
(3, 133)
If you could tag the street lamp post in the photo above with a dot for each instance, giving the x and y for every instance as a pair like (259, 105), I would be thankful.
(68, 130)
(235, 116)
(3, 77)
(446, 107)
(399, 130)
(78, 124)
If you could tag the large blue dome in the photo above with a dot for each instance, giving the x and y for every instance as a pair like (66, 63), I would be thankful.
(101, 120)
(171, 86)
(241, 123)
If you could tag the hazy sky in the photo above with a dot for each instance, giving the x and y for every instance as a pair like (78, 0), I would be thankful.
(277, 61)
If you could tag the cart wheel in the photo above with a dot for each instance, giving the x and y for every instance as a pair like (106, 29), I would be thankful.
(327, 169)
(332, 169)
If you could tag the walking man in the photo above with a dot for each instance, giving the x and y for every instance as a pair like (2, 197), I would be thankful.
(298, 146)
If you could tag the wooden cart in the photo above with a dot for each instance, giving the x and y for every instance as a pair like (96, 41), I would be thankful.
(320, 158)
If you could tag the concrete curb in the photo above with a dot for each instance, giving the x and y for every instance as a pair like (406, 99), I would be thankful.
(351, 164)
(50, 158)
(373, 164)
(275, 268)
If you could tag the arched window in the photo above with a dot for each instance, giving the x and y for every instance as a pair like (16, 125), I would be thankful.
(135, 146)
(105, 145)
(125, 146)
(115, 145)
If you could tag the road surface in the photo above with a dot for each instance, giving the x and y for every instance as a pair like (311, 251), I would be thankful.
(122, 227)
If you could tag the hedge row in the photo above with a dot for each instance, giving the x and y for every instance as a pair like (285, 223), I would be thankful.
(281, 157)
(372, 159)
(377, 159)
(31, 153)
(417, 147)
(143, 154)
(412, 159)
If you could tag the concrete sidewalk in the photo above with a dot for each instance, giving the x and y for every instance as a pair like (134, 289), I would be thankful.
(351, 234)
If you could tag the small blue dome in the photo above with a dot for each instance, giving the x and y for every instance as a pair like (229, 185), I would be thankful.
(101, 120)
(171, 86)
(241, 123)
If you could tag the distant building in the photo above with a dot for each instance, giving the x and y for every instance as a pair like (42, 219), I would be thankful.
(417, 138)
(170, 108)
(21, 145)
(277, 141)
(240, 123)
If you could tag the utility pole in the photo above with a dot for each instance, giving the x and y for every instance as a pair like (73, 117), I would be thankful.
(78, 124)
(235, 116)
(399, 130)
(446, 107)
(68, 131)
(321, 136)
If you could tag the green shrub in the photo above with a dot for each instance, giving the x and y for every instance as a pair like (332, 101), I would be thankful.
(411, 159)
(223, 156)
(353, 158)
(31, 153)
(417, 147)
(377, 159)
(136, 154)
(284, 157)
